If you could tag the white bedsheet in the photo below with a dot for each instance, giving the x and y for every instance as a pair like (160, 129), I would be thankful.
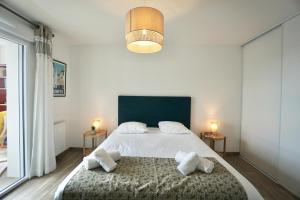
(163, 145)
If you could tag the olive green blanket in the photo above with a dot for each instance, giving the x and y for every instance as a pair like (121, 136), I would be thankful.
(152, 179)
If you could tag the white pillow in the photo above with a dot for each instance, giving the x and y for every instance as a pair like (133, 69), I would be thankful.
(172, 127)
(132, 127)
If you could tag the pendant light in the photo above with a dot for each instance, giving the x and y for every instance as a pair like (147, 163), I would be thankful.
(144, 30)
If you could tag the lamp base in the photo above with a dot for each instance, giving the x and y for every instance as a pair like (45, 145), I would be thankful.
(93, 131)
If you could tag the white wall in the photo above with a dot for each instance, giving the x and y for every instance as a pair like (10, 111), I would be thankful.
(61, 113)
(211, 75)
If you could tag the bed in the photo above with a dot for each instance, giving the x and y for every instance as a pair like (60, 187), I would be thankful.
(155, 144)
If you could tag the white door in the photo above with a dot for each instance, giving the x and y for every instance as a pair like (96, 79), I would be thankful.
(289, 159)
(261, 101)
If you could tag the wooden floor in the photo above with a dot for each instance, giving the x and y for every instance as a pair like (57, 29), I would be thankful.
(266, 187)
(44, 187)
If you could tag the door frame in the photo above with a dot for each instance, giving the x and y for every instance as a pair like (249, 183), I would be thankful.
(26, 83)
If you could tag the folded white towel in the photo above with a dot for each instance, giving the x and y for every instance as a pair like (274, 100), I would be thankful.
(104, 159)
(115, 155)
(204, 164)
(90, 161)
(189, 163)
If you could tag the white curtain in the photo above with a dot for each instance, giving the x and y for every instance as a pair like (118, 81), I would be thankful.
(43, 152)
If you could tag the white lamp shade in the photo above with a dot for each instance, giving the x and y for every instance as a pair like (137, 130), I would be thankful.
(144, 30)
(214, 126)
(96, 124)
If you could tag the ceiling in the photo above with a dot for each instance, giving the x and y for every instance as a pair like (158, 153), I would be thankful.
(208, 22)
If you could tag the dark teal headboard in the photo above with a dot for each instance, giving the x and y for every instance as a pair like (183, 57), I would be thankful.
(152, 109)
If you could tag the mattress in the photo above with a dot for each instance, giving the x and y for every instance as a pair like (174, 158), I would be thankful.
(162, 145)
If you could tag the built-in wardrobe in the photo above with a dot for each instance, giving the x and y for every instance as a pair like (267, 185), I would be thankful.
(270, 134)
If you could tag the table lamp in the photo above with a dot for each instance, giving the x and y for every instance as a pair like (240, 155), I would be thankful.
(96, 125)
(214, 126)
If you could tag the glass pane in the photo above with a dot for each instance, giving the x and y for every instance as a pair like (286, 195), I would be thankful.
(11, 136)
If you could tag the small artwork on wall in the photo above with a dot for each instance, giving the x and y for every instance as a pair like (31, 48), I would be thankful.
(59, 78)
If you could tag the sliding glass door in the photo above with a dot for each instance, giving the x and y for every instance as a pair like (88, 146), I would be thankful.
(12, 129)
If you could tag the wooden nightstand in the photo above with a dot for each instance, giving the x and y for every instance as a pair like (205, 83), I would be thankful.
(94, 136)
(212, 138)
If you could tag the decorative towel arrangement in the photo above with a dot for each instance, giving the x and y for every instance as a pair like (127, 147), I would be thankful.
(102, 158)
(189, 162)
(138, 178)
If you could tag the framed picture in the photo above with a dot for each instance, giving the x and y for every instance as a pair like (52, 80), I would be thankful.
(59, 78)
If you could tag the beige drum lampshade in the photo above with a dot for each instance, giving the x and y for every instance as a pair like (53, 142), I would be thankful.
(144, 30)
